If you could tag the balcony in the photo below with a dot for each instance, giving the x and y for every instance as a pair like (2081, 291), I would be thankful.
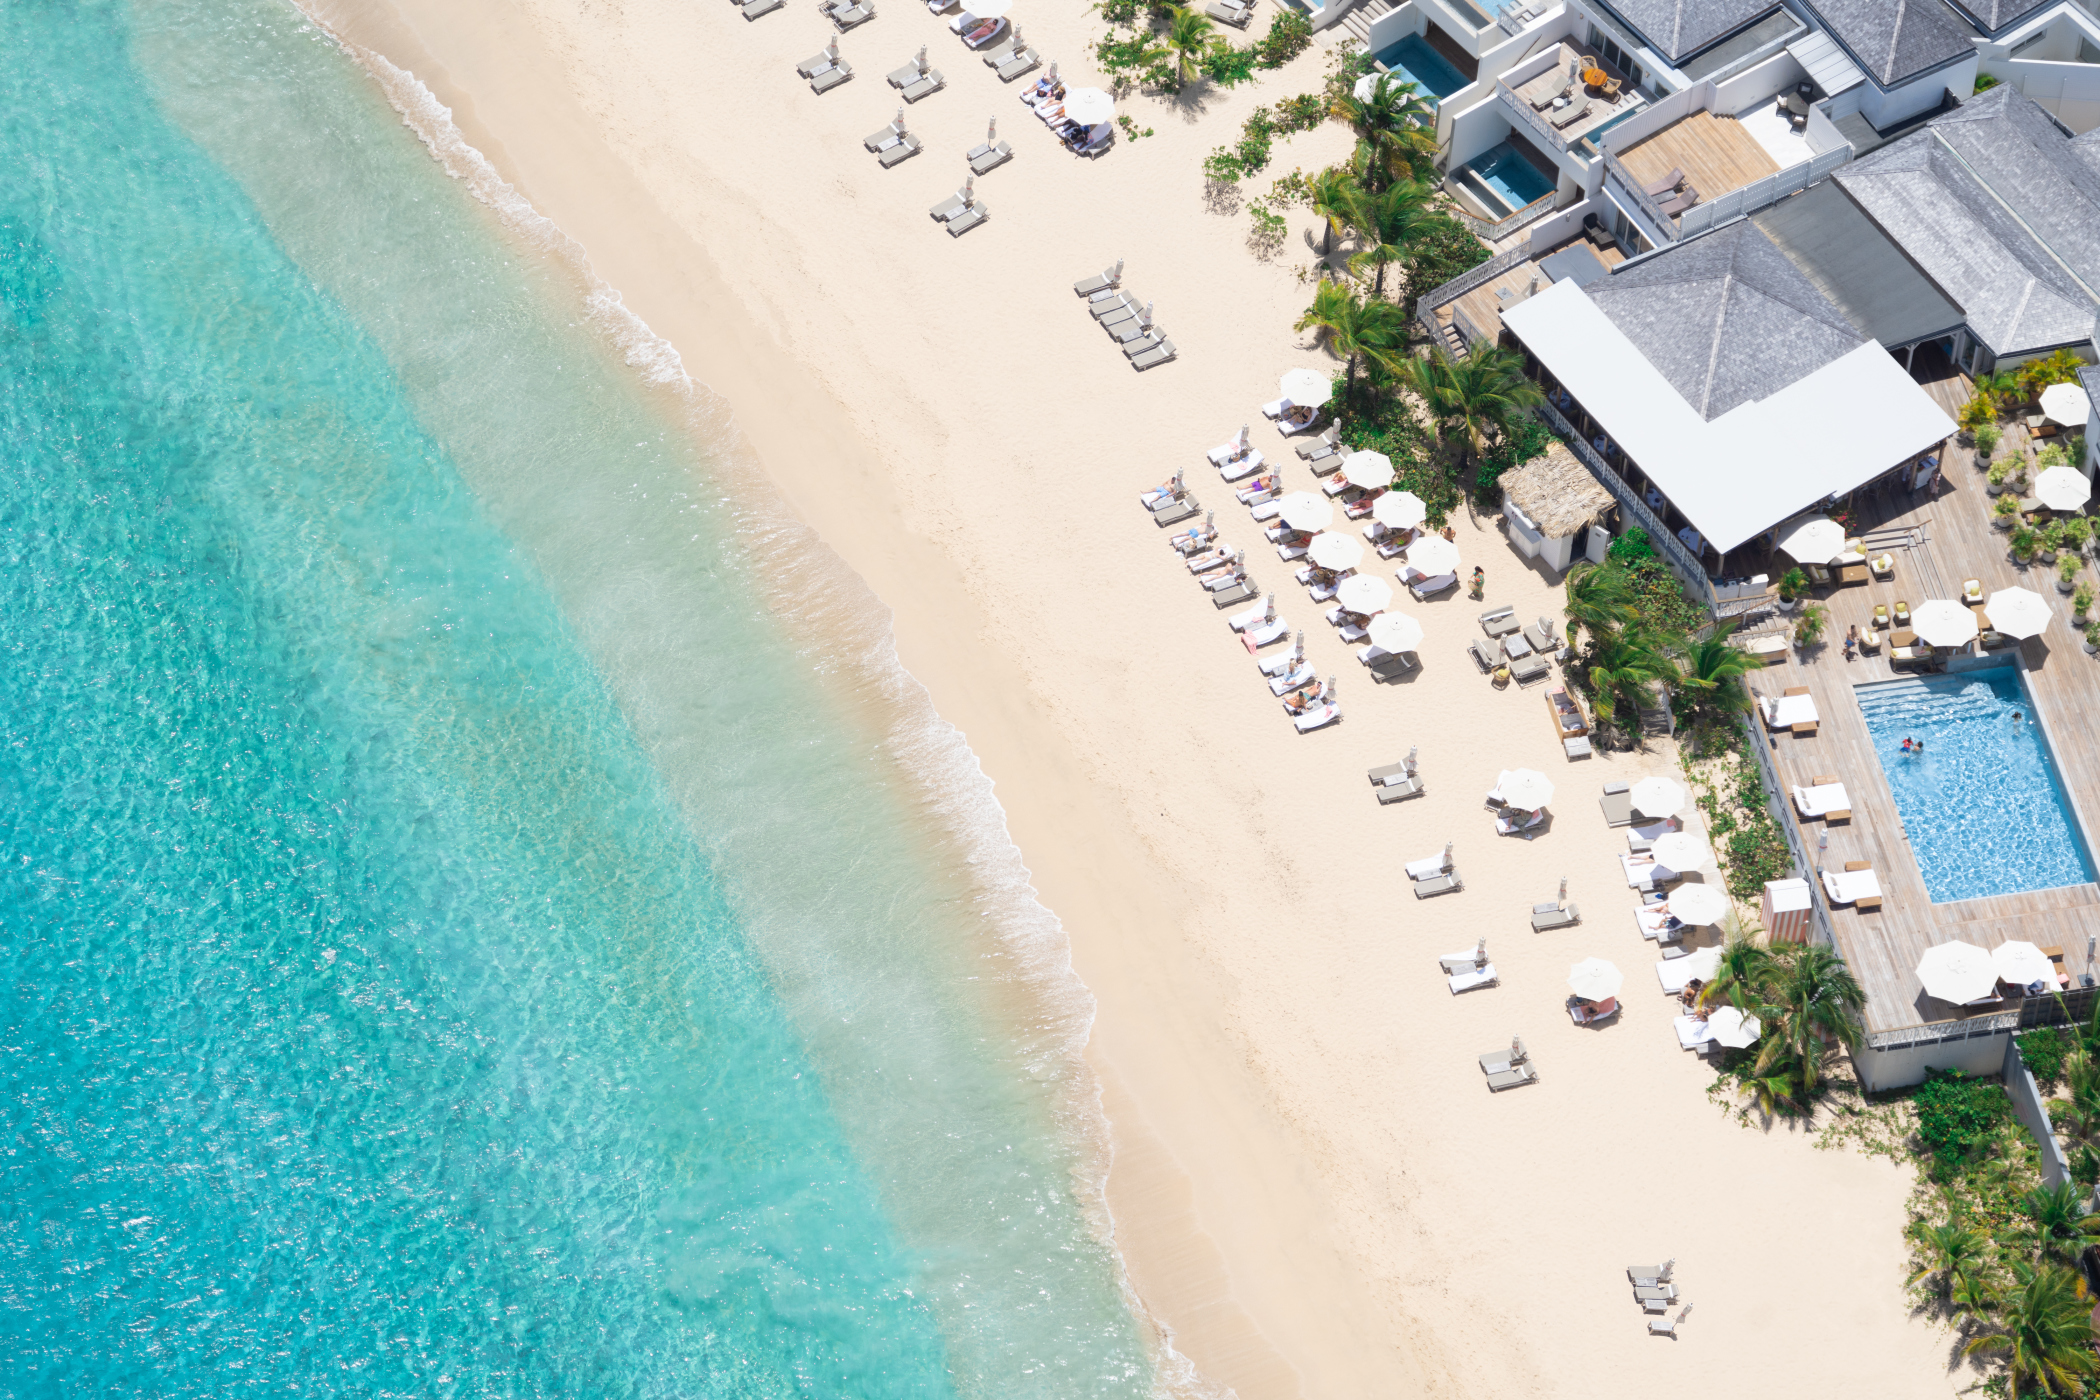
(1567, 112)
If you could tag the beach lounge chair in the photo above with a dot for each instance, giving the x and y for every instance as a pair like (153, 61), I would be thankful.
(1500, 622)
(1263, 634)
(1218, 583)
(948, 208)
(1472, 978)
(1095, 286)
(1112, 316)
(1552, 95)
(818, 63)
(1681, 202)
(904, 150)
(905, 77)
(1391, 773)
(1099, 139)
(1181, 510)
(1539, 636)
(754, 9)
(1428, 866)
(1118, 304)
(1824, 797)
(992, 158)
(1154, 357)
(1317, 718)
(1393, 667)
(1226, 13)
(1304, 673)
(1649, 1275)
(1512, 1078)
(1617, 803)
(1136, 328)
(1151, 342)
(846, 16)
(1550, 916)
(1857, 886)
(983, 35)
(932, 83)
(1658, 188)
(1320, 446)
(1438, 884)
(1238, 593)
(1400, 791)
(1015, 64)
(880, 141)
(1471, 960)
(970, 218)
(1571, 116)
(1482, 657)
(1509, 1057)
(1667, 1327)
(1530, 669)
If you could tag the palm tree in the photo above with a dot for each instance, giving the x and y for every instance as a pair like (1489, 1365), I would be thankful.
(1810, 1002)
(1625, 665)
(2046, 1331)
(2063, 1228)
(1189, 37)
(1484, 390)
(1715, 667)
(1333, 194)
(1356, 328)
(1389, 225)
(1963, 1259)
(1395, 129)
(1739, 978)
(1599, 597)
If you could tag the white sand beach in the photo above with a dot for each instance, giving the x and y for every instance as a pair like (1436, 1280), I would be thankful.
(1314, 1192)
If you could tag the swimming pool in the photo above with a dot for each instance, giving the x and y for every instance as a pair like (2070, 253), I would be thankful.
(1984, 807)
(1414, 61)
(1515, 180)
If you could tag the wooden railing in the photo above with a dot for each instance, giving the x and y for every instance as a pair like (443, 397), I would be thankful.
(1428, 302)
(1499, 229)
(1760, 193)
(1633, 190)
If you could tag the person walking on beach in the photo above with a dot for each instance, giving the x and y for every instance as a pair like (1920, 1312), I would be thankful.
(1480, 581)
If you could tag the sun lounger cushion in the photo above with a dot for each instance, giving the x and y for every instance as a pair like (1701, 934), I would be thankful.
(1237, 593)
(1389, 793)
(1427, 866)
(1513, 1078)
(1822, 800)
(924, 87)
(1152, 358)
(1438, 884)
(904, 150)
(970, 218)
(1472, 978)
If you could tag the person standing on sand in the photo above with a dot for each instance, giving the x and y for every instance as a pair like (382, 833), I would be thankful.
(1479, 582)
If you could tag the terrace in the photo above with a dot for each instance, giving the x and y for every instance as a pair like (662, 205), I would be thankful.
(1568, 120)
(1715, 154)
(1476, 313)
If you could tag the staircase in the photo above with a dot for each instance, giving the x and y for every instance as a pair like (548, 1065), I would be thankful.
(1358, 20)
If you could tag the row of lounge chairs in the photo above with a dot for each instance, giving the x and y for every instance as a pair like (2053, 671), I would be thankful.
(1143, 341)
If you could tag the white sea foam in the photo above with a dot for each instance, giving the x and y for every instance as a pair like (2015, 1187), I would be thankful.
(830, 600)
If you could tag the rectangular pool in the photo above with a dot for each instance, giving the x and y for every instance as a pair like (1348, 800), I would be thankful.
(1513, 179)
(1984, 806)
(1413, 60)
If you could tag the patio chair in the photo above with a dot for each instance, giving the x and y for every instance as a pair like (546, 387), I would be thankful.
(1902, 617)
(1551, 916)
(1617, 803)
(1972, 592)
(1881, 617)
(1658, 188)
(1883, 566)
(1571, 116)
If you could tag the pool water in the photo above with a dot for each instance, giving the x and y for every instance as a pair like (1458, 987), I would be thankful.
(1516, 180)
(1984, 807)
(1414, 61)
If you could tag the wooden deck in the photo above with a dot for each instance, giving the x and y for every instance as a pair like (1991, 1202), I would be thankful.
(1937, 544)
(1715, 153)
(1601, 108)
(1484, 309)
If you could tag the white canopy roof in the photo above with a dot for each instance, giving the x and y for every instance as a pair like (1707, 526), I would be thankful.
(1755, 465)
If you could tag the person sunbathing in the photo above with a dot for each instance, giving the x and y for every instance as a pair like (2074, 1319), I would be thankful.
(1298, 415)
(1692, 991)
(1300, 701)
(1170, 487)
(981, 33)
(1325, 578)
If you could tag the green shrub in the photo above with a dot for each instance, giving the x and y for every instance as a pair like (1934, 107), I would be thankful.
(1985, 82)
(1529, 438)
(1957, 1115)
(1446, 249)
(1659, 603)
(1304, 112)
(1987, 437)
(1289, 35)
(2045, 1051)
(1632, 545)
(1227, 66)
(1267, 235)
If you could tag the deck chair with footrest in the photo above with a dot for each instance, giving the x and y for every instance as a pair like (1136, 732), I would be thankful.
(1551, 916)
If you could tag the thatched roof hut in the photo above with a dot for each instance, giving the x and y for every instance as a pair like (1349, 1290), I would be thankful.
(1556, 492)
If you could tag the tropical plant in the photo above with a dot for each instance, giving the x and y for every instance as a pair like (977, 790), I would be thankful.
(1388, 225)
(2059, 368)
(2053, 455)
(1808, 626)
(1333, 195)
(1290, 34)
(1599, 598)
(1743, 965)
(2078, 533)
(1189, 37)
(1987, 439)
(2045, 1332)
(2006, 508)
(1715, 669)
(1979, 410)
(2053, 536)
(2000, 472)
(1625, 666)
(1792, 584)
(2082, 600)
(2092, 634)
(1395, 130)
(1356, 328)
(1468, 397)
(2067, 569)
(1810, 1004)
(2001, 389)
(2063, 1228)
(2025, 541)
(1962, 1258)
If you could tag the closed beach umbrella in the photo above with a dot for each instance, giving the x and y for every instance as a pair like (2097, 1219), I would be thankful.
(1370, 470)
(1302, 510)
(1658, 797)
(1815, 540)
(1732, 1028)
(2066, 404)
(1332, 551)
(1393, 631)
(1527, 788)
(1364, 593)
(1698, 904)
(1957, 972)
(1680, 850)
(2063, 488)
(2022, 964)
(2018, 612)
(1594, 979)
(1434, 555)
(1306, 387)
(1943, 623)
(1089, 106)
(1399, 510)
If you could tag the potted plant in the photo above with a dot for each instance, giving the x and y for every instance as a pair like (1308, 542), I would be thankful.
(2082, 602)
(2005, 513)
(1987, 437)
(2067, 573)
(1808, 628)
(2026, 541)
(1792, 584)
(2078, 533)
(1999, 474)
(2092, 638)
(2052, 540)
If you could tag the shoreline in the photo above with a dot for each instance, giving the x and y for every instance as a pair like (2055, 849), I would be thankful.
(1291, 1228)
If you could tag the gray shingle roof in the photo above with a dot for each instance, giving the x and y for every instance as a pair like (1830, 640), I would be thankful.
(1898, 39)
(1987, 200)
(1853, 263)
(1726, 318)
(1676, 29)
(1994, 15)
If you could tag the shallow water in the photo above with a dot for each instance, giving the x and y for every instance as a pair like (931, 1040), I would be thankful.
(480, 915)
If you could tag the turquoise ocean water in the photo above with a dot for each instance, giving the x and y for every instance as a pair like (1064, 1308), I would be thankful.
(460, 932)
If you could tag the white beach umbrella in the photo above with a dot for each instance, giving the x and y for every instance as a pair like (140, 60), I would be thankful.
(2022, 964)
(1681, 850)
(2017, 612)
(1332, 551)
(1089, 106)
(1302, 510)
(1732, 1028)
(1526, 788)
(1594, 979)
(1395, 632)
(1399, 510)
(1364, 593)
(1941, 622)
(1434, 555)
(2063, 488)
(1957, 972)
(1657, 797)
(1306, 387)
(1702, 964)
(2066, 404)
(1370, 470)
(1815, 540)
(1699, 904)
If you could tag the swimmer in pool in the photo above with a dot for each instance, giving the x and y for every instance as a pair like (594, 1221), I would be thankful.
(2016, 717)
(1906, 746)
(1920, 749)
